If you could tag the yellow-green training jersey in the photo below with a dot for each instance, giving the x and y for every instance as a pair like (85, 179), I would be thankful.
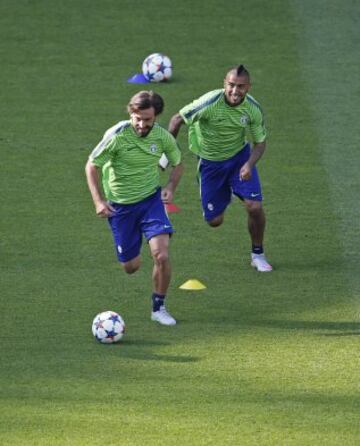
(129, 162)
(218, 131)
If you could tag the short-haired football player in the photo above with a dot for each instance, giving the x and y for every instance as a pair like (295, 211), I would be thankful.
(219, 122)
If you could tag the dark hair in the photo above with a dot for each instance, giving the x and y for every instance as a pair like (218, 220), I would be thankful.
(144, 100)
(239, 70)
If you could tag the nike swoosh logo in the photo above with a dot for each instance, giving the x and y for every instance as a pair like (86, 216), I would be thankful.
(254, 195)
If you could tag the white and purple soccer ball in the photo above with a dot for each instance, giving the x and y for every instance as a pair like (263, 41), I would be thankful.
(108, 327)
(157, 68)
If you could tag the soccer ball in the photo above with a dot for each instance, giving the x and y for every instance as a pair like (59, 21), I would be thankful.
(157, 67)
(108, 327)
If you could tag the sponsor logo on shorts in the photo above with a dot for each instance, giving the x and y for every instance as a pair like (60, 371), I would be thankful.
(252, 195)
(119, 248)
(210, 206)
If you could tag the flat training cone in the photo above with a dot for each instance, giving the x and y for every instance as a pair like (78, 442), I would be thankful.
(192, 284)
(171, 207)
(138, 78)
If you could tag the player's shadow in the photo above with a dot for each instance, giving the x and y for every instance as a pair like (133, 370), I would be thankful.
(321, 266)
(338, 328)
(150, 356)
(141, 350)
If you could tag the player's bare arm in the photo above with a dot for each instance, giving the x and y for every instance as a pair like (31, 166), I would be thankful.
(167, 193)
(256, 153)
(174, 126)
(175, 123)
(102, 207)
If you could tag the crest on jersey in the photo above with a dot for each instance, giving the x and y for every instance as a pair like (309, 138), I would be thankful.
(153, 148)
(244, 120)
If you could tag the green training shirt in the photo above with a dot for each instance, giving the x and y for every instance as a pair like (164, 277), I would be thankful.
(218, 131)
(129, 162)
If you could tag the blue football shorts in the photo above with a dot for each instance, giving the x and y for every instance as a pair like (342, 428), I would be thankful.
(131, 221)
(220, 179)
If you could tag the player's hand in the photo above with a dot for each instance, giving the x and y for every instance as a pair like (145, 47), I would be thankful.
(245, 172)
(104, 209)
(167, 195)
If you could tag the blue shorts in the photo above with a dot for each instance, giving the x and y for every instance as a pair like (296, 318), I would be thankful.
(130, 221)
(220, 179)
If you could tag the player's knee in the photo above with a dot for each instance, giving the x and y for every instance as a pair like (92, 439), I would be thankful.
(217, 221)
(254, 207)
(161, 257)
(131, 267)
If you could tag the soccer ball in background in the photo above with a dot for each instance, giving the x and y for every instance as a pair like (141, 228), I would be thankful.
(157, 68)
(108, 327)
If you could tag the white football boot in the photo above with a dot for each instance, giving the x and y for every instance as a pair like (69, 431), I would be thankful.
(163, 317)
(259, 262)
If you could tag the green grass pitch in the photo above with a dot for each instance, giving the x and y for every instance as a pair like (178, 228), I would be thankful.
(256, 359)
